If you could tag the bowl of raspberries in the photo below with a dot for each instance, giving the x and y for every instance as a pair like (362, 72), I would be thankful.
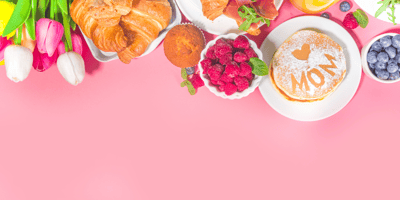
(225, 66)
(381, 58)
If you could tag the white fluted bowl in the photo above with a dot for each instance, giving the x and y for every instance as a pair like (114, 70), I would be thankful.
(237, 95)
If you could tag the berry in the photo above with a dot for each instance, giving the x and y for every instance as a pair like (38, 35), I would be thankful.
(210, 53)
(225, 59)
(394, 76)
(240, 57)
(250, 77)
(397, 58)
(396, 41)
(391, 51)
(221, 40)
(229, 41)
(215, 71)
(222, 49)
(245, 69)
(345, 6)
(206, 64)
(221, 88)
(242, 83)
(382, 74)
(392, 67)
(214, 82)
(225, 78)
(350, 21)
(190, 70)
(325, 15)
(241, 42)
(232, 70)
(371, 65)
(371, 57)
(380, 65)
(386, 41)
(230, 89)
(250, 53)
(196, 81)
(383, 57)
(376, 46)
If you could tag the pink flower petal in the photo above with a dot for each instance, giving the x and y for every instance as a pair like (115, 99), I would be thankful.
(53, 37)
(61, 48)
(48, 61)
(37, 60)
(76, 43)
(42, 27)
(3, 44)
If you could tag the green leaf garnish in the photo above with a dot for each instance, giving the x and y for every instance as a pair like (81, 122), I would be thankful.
(361, 17)
(384, 7)
(187, 83)
(259, 67)
(251, 17)
(183, 74)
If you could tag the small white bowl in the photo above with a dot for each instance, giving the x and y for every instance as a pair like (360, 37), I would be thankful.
(364, 62)
(237, 95)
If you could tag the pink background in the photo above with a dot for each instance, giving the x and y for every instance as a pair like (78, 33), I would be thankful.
(130, 132)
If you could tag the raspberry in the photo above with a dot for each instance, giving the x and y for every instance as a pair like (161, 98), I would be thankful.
(229, 41)
(242, 83)
(240, 57)
(222, 49)
(350, 21)
(196, 81)
(250, 76)
(221, 88)
(218, 82)
(206, 64)
(210, 53)
(225, 78)
(221, 40)
(214, 82)
(230, 89)
(232, 69)
(215, 71)
(250, 53)
(241, 42)
(245, 69)
(225, 59)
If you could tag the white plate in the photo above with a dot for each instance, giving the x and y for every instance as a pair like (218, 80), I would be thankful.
(223, 25)
(344, 93)
(371, 6)
(109, 56)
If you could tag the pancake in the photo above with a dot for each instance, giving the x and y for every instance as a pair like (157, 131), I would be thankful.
(307, 67)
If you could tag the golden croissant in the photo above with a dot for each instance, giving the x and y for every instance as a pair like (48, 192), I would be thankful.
(123, 26)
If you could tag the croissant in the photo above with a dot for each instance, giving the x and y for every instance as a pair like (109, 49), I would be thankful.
(213, 8)
(142, 25)
(108, 12)
(106, 38)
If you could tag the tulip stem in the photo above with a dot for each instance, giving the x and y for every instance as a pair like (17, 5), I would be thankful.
(67, 32)
(19, 37)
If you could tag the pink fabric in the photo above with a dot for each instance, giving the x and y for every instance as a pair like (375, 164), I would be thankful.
(130, 132)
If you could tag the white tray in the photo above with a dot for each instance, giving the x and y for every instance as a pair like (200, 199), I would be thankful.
(109, 56)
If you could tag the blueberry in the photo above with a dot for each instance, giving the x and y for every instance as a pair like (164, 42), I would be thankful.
(380, 65)
(397, 58)
(383, 57)
(376, 46)
(371, 57)
(391, 51)
(325, 15)
(396, 41)
(371, 65)
(394, 76)
(392, 67)
(189, 70)
(345, 6)
(382, 74)
(386, 41)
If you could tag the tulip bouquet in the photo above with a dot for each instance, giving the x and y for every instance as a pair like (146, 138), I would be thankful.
(37, 34)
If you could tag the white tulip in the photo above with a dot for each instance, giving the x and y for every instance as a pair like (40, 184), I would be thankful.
(71, 67)
(18, 61)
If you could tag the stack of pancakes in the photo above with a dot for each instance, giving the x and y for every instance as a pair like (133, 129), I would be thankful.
(307, 67)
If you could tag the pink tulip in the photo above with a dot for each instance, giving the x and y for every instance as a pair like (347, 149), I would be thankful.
(3, 44)
(76, 45)
(48, 35)
(61, 48)
(42, 62)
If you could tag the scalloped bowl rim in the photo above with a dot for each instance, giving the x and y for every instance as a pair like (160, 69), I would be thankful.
(237, 95)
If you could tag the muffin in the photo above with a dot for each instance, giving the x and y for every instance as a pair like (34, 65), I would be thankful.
(183, 45)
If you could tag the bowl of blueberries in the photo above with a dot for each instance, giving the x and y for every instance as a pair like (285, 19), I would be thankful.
(381, 58)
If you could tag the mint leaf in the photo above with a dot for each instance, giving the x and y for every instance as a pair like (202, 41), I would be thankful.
(183, 74)
(361, 17)
(191, 89)
(259, 67)
(183, 84)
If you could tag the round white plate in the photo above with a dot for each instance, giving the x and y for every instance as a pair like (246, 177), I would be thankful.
(223, 25)
(371, 6)
(337, 100)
